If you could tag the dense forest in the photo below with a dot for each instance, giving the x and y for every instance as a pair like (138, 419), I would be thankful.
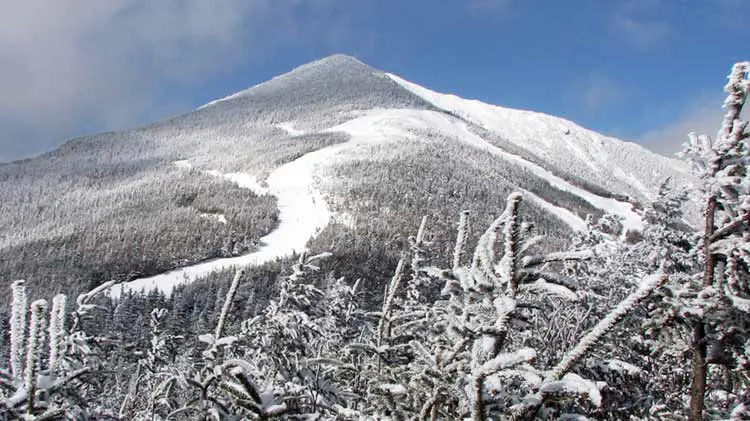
(508, 322)
(216, 217)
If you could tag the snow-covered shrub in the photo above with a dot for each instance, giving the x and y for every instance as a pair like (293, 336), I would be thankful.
(280, 363)
(51, 366)
(638, 342)
(467, 354)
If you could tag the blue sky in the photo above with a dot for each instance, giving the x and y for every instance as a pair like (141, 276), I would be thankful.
(642, 70)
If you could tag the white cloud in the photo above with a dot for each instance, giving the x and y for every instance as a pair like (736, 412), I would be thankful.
(638, 24)
(702, 116)
(65, 64)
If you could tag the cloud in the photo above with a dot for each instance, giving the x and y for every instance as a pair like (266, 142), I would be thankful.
(702, 116)
(599, 91)
(638, 24)
(67, 64)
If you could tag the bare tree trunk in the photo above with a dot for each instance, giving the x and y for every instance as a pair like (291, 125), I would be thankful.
(478, 411)
(698, 386)
(700, 367)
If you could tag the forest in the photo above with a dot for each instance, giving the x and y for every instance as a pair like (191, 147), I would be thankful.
(509, 322)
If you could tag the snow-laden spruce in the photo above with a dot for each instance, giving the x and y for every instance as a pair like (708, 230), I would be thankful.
(721, 305)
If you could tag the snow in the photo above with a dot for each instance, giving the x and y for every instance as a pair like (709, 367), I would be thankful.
(623, 367)
(550, 288)
(183, 164)
(393, 389)
(609, 162)
(378, 125)
(245, 181)
(288, 127)
(573, 384)
(498, 382)
(395, 122)
(574, 221)
(218, 217)
(303, 213)
(506, 360)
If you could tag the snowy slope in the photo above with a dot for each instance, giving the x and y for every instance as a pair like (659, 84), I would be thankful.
(392, 123)
(611, 163)
(286, 136)
(302, 214)
(303, 209)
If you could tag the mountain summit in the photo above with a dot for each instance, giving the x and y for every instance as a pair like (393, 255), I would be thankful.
(337, 82)
(334, 155)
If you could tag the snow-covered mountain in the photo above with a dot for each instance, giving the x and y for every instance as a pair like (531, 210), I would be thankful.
(340, 149)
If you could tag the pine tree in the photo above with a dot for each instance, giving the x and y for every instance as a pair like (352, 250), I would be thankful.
(721, 165)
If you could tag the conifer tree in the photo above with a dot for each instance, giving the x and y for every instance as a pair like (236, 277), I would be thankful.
(721, 166)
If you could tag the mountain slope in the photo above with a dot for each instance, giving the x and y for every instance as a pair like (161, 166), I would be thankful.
(378, 150)
(610, 163)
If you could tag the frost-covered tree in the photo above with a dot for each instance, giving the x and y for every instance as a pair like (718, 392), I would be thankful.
(17, 328)
(57, 332)
(467, 355)
(701, 313)
(49, 375)
(277, 364)
(720, 289)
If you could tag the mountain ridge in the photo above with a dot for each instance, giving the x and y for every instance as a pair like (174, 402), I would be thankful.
(586, 156)
(393, 151)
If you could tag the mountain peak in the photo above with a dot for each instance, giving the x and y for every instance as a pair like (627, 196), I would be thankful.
(339, 59)
(335, 80)
(331, 66)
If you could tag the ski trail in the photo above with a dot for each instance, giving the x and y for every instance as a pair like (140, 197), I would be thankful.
(303, 213)
(631, 220)
(400, 120)
(574, 221)
(459, 129)
(376, 124)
